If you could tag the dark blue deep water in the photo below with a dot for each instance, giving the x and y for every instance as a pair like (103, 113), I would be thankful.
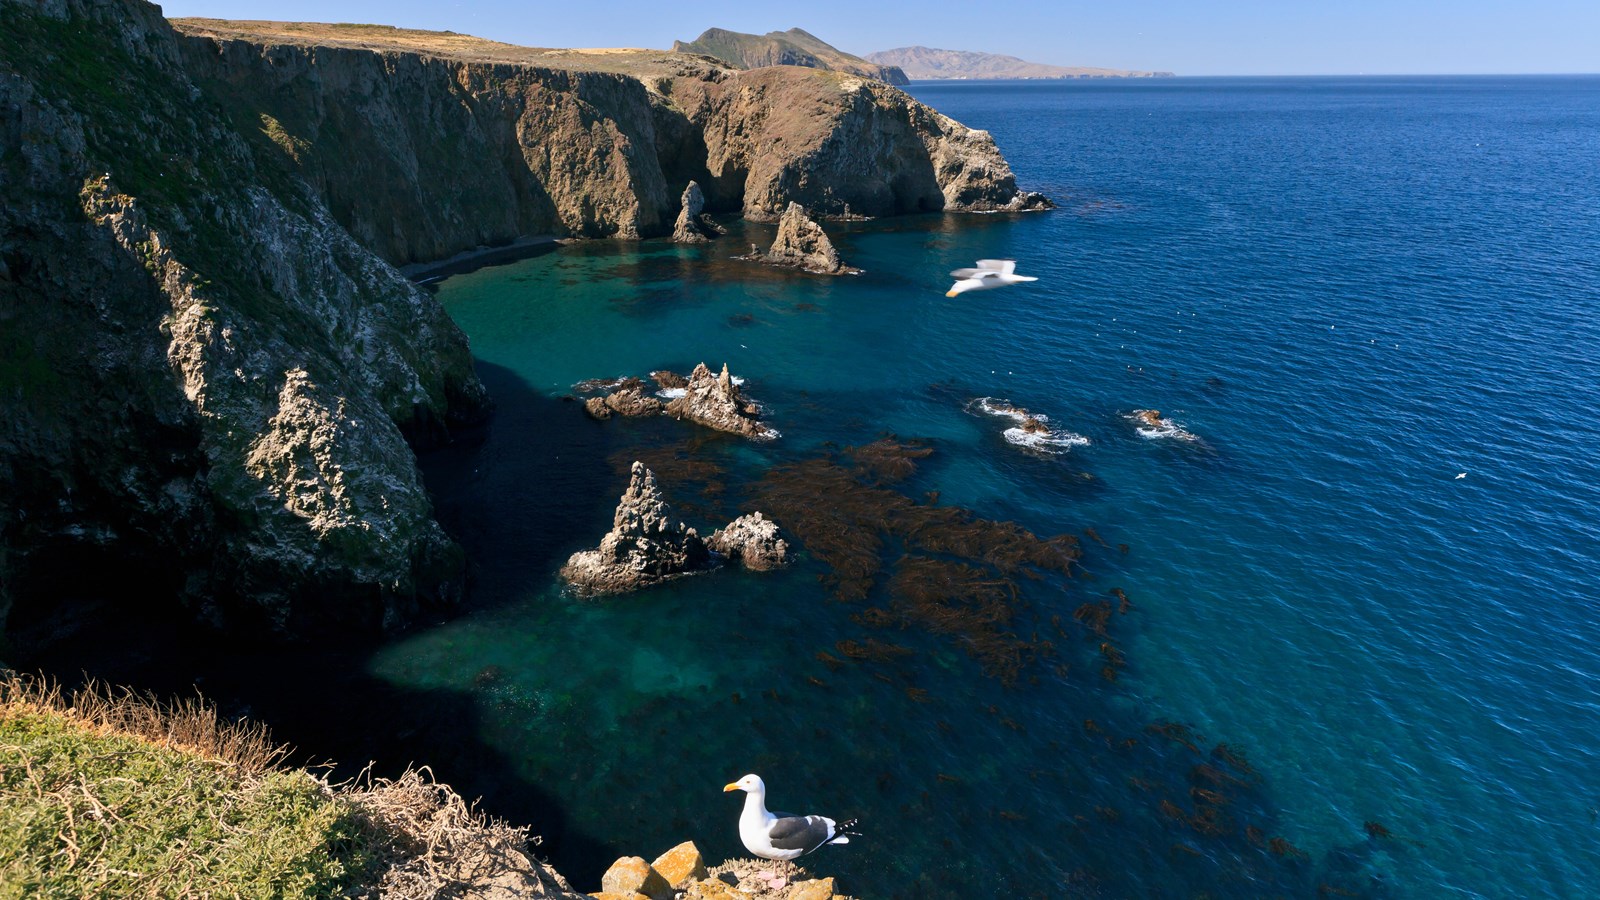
(1348, 292)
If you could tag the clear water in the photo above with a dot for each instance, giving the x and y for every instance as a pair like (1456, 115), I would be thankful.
(1349, 291)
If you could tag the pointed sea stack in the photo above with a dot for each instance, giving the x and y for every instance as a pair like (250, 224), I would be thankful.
(802, 244)
(716, 402)
(694, 226)
(645, 545)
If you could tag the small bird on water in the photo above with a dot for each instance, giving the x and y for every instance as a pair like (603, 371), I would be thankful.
(990, 274)
(782, 836)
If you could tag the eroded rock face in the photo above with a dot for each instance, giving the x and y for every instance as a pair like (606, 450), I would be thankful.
(716, 402)
(752, 540)
(202, 367)
(802, 244)
(645, 545)
(694, 226)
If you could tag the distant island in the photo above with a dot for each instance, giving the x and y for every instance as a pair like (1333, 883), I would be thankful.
(785, 48)
(929, 64)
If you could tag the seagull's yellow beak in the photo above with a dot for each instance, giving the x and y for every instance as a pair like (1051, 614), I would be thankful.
(950, 293)
(730, 787)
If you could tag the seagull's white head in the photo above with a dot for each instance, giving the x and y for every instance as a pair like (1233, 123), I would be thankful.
(749, 783)
(962, 286)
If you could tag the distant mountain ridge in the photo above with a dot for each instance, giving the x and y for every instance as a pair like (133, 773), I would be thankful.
(785, 48)
(929, 64)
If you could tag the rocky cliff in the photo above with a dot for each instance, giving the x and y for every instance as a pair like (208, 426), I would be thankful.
(794, 47)
(208, 363)
(201, 368)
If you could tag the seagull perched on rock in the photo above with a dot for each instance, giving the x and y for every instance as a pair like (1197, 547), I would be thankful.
(990, 274)
(782, 836)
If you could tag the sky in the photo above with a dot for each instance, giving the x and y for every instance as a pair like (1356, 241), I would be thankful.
(1223, 37)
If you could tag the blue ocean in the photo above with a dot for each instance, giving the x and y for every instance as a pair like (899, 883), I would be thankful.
(1320, 364)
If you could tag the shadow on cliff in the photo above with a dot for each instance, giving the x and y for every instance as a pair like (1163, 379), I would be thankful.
(510, 492)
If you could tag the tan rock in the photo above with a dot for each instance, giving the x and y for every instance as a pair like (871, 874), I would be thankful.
(802, 244)
(815, 889)
(631, 875)
(715, 401)
(614, 895)
(681, 864)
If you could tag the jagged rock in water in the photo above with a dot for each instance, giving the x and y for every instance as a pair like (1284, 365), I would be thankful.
(694, 226)
(802, 244)
(716, 402)
(669, 380)
(628, 399)
(645, 545)
(752, 540)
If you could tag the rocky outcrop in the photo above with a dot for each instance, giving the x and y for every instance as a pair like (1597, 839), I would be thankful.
(785, 48)
(802, 244)
(627, 398)
(694, 226)
(716, 401)
(682, 873)
(753, 541)
(645, 545)
(198, 365)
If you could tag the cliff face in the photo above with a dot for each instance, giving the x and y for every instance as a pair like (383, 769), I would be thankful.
(206, 358)
(421, 157)
(423, 154)
(201, 367)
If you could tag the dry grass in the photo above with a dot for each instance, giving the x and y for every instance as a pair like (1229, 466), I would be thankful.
(108, 792)
(190, 725)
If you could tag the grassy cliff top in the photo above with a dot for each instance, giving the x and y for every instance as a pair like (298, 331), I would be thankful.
(107, 793)
(634, 61)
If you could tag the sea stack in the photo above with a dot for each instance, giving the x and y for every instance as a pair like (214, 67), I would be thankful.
(694, 226)
(645, 545)
(752, 540)
(715, 401)
(802, 244)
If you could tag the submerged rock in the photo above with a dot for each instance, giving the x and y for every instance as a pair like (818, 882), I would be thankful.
(645, 545)
(802, 244)
(715, 401)
(752, 540)
(694, 226)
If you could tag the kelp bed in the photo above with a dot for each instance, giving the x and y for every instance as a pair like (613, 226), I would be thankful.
(911, 564)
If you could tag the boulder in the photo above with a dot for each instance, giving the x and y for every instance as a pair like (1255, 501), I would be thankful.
(681, 864)
(802, 244)
(632, 875)
(694, 226)
(715, 401)
(669, 380)
(628, 397)
(815, 889)
(645, 545)
(753, 541)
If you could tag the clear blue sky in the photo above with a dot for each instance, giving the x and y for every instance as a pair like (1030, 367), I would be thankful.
(1224, 37)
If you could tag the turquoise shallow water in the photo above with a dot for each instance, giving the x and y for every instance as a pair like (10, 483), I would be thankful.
(1349, 291)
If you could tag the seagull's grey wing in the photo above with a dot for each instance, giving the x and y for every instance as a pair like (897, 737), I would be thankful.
(965, 273)
(799, 832)
(1003, 266)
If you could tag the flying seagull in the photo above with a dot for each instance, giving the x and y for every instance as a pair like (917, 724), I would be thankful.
(782, 836)
(990, 274)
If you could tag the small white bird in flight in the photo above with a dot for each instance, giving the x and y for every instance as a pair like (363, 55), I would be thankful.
(782, 836)
(990, 274)
(1461, 476)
